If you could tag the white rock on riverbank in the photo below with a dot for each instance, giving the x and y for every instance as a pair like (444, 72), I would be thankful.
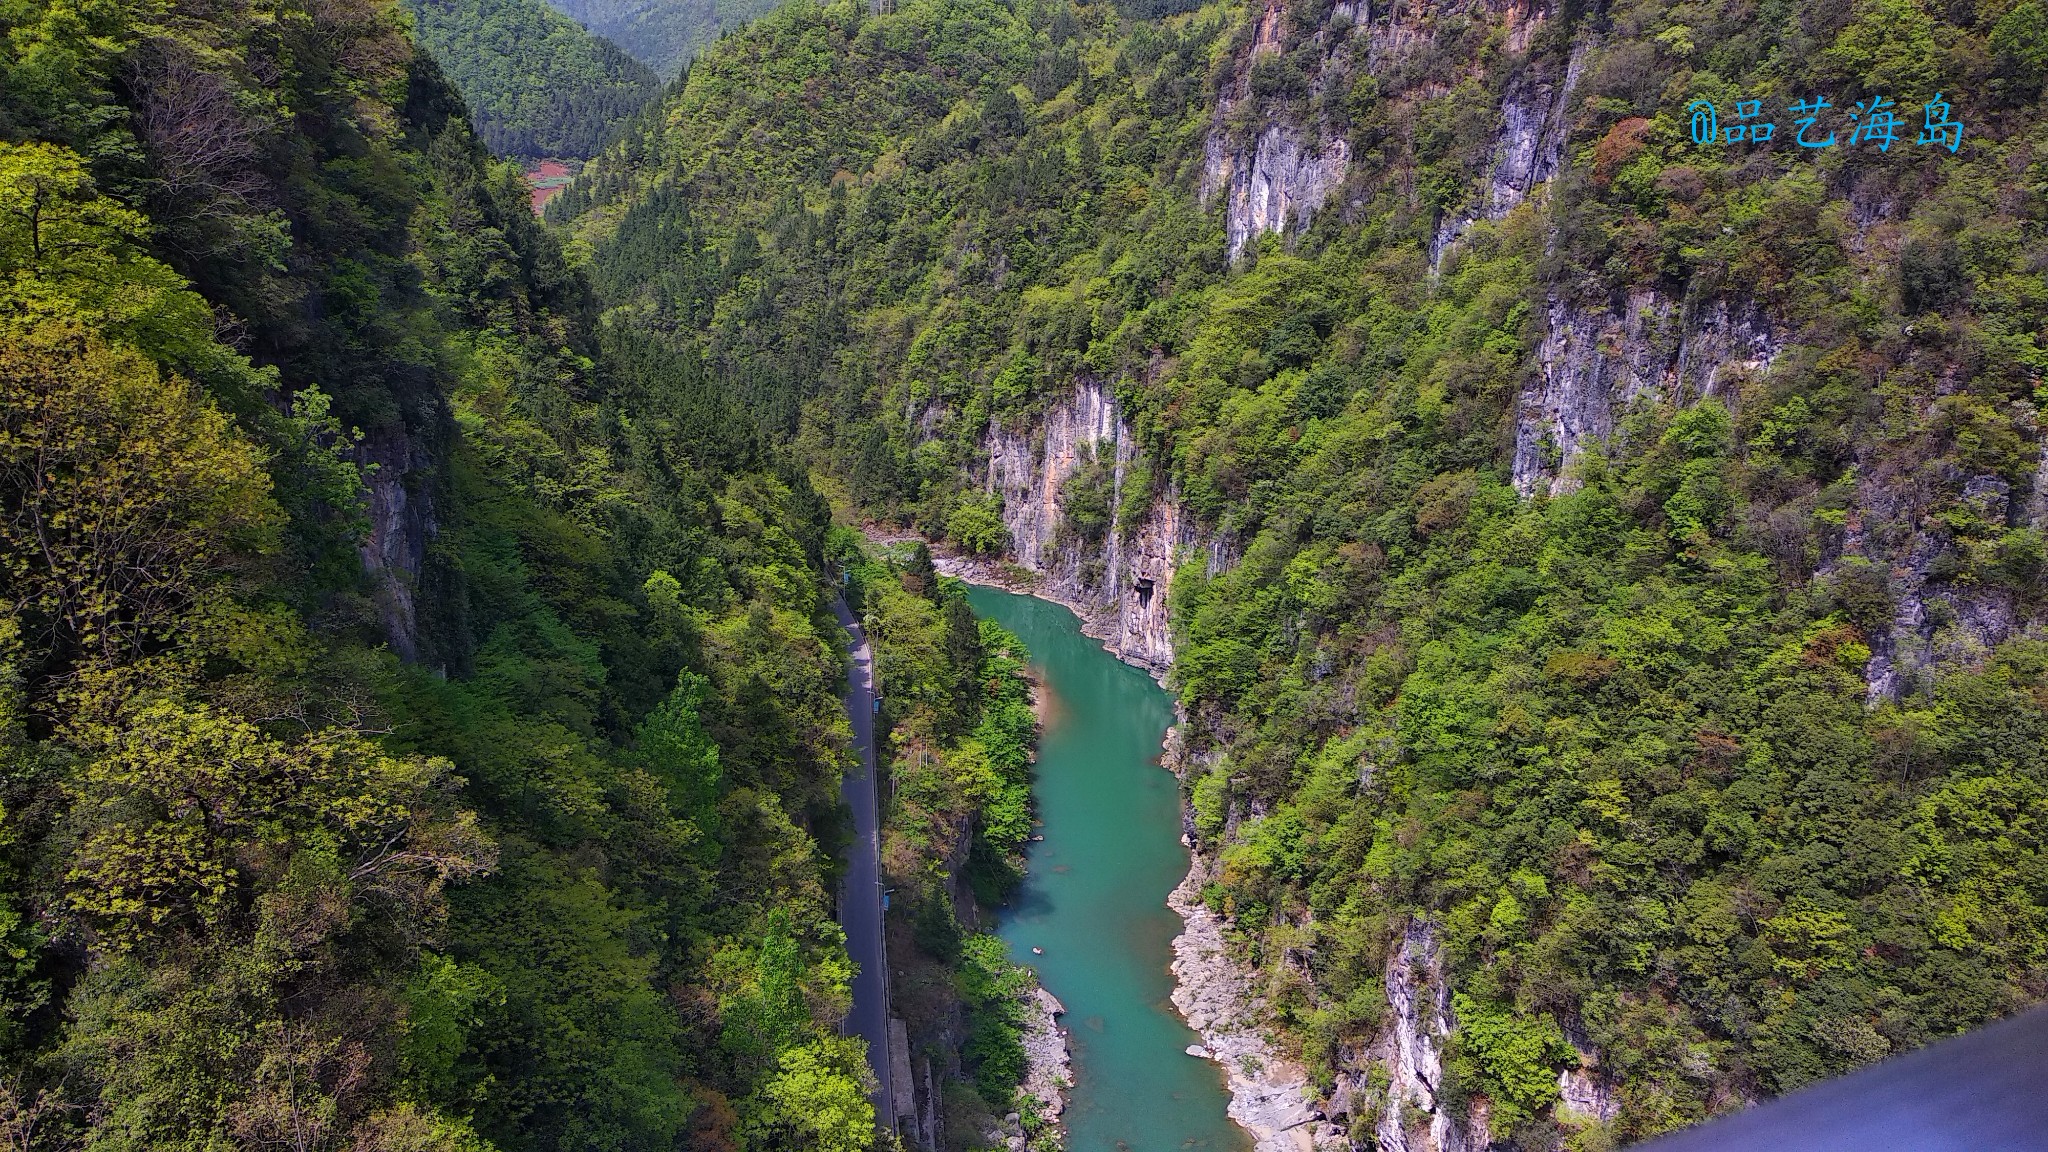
(1268, 1094)
(1048, 1072)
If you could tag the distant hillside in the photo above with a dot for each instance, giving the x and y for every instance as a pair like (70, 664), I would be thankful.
(537, 84)
(662, 33)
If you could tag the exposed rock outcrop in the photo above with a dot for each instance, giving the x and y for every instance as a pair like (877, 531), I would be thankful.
(1584, 1091)
(1934, 622)
(1049, 1071)
(1276, 184)
(1026, 468)
(1594, 362)
(1270, 1096)
(1117, 586)
(1408, 1116)
(1528, 146)
(1276, 177)
(2037, 499)
(1411, 1049)
(401, 516)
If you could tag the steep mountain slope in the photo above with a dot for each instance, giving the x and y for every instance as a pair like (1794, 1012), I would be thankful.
(538, 84)
(662, 33)
(1603, 573)
(417, 701)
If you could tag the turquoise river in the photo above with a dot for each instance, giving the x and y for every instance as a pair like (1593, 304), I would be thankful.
(1095, 899)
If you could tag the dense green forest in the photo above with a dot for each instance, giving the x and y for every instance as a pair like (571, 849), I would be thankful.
(1703, 748)
(1607, 589)
(540, 85)
(419, 719)
(664, 34)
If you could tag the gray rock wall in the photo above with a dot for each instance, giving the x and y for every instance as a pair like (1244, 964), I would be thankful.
(1528, 147)
(1411, 1050)
(1596, 360)
(1934, 622)
(1277, 184)
(1119, 589)
(1277, 178)
(401, 515)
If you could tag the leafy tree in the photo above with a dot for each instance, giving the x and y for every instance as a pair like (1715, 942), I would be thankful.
(126, 491)
(817, 1099)
(976, 524)
(174, 792)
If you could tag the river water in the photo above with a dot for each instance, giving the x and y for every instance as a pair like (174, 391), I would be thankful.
(1095, 899)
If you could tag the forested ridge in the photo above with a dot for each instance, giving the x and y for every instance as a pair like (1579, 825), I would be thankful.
(419, 718)
(540, 86)
(1610, 584)
(664, 34)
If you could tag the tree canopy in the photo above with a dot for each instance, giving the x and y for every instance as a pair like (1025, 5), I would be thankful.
(538, 84)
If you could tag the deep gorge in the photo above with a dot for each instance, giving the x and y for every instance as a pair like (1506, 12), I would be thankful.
(1599, 576)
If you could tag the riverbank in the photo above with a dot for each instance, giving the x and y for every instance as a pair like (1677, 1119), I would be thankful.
(1098, 621)
(1092, 917)
(1048, 1066)
(1270, 1096)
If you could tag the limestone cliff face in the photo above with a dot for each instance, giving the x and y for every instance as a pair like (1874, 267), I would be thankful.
(1528, 147)
(1027, 465)
(1275, 185)
(1119, 587)
(1411, 1050)
(1934, 622)
(1403, 1110)
(1594, 362)
(402, 521)
(1275, 178)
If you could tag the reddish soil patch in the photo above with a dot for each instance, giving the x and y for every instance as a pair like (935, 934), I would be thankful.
(547, 179)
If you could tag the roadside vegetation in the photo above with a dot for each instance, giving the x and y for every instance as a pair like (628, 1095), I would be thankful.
(956, 743)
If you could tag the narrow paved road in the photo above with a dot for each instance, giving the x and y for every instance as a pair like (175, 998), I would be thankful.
(860, 904)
